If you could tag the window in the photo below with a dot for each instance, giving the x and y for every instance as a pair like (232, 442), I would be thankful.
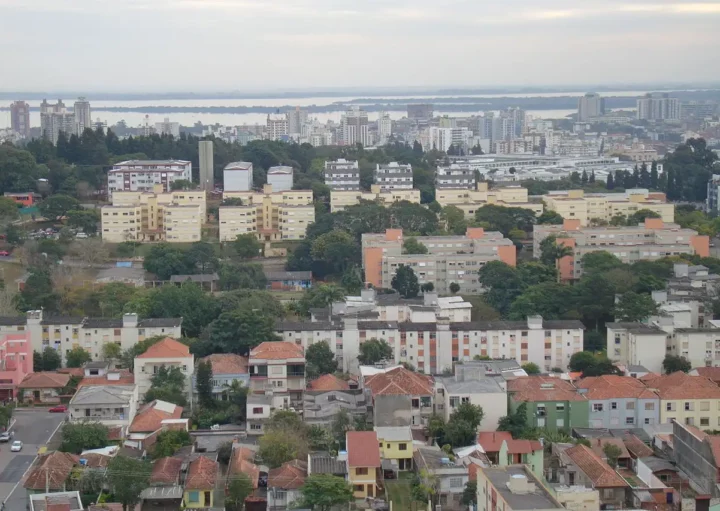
(194, 496)
(456, 482)
(649, 406)
(629, 421)
(630, 405)
(361, 471)
(688, 407)
(669, 407)
(402, 447)
(560, 407)
(257, 410)
(358, 487)
(613, 405)
(704, 421)
(560, 423)
(705, 406)
(597, 407)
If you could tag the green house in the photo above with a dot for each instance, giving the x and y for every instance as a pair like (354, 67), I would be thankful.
(552, 403)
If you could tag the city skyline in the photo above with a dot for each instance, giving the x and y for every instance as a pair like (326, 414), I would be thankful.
(304, 40)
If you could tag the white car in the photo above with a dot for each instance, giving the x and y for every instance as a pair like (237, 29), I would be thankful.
(81, 236)
(16, 446)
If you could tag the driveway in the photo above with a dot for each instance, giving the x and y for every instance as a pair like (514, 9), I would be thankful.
(33, 428)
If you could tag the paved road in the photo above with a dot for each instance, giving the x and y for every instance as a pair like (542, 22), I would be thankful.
(33, 428)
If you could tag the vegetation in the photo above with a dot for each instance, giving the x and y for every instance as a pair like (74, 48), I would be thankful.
(168, 384)
(80, 436)
(405, 282)
(168, 442)
(373, 351)
(319, 360)
(127, 478)
(322, 492)
(674, 363)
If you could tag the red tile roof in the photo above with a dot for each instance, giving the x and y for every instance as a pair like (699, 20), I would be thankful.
(614, 387)
(115, 433)
(202, 474)
(637, 447)
(399, 381)
(150, 417)
(96, 460)
(328, 382)
(241, 462)
(543, 388)
(680, 385)
(363, 449)
(124, 377)
(278, 350)
(492, 441)
(598, 444)
(53, 469)
(599, 472)
(167, 348)
(166, 471)
(290, 476)
(44, 380)
(227, 363)
(712, 373)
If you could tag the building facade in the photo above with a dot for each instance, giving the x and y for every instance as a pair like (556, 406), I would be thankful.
(167, 353)
(238, 177)
(354, 128)
(143, 175)
(394, 176)
(340, 199)
(207, 166)
(277, 370)
(455, 176)
(472, 199)
(83, 115)
(342, 175)
(20, 118)
(590, 105)
(658, 107)
(55, 118)
(280, 178)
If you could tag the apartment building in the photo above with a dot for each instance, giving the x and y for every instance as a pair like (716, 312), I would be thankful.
(354, 128)
(552, 403)
(658, 106)
(167, 353)
(450, 259)
(466, 387)
(110, 405)
(637, 344)
(690, 400)
(590, 105)
(651, 240)
(470, 200)
(238, 176)
(341, 199)
(56, 118)
(143, 175)
(513, 488)
(16, 362)
(276, 127)
(619, 402)
(20, 118)
(455, 176)
(432, 347)
(342, 175)
(576, 205)
(270, 215)
(280, 178)
(685, 298)
(175, 217)
(277, 369)
(700, 346)
(394, 176)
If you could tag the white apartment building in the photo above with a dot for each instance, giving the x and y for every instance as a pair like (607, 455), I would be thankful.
(277, 370)
(700, 346)
(280, 178)
(590, 105)
(394, 176)
(276, 127)
(455, 176)
(238, 176)
(54, 119)
(384, 128)
(658, 107)
(342, 175)
(166, 127)
(83, 117)
(354, 127)
(442, 139)
(166, 353)
(637, 344)
(470, 200)
(296, 119)
(143, 175)
(340, 199)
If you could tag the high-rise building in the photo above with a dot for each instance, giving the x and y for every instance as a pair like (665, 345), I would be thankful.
(207, 180)
(518, 116)
(83, 119)
(277, 126)
(442, 139)
(658, 107)
(394, 176)
(20, 118)
(354, 127)
(167, 128)
(590, 105)
(384, 127)
(295, 120)
(54, 119)
(342, 175)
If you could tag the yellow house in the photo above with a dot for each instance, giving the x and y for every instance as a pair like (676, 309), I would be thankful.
(690, 400)
(396, 445)
(363, 462)
(200, 483)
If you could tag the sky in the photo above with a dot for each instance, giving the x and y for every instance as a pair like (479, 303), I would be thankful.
(255, 45)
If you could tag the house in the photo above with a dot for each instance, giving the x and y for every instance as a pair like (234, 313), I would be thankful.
(503, 450)
(513, 488)
(278, 368)
(150, 421)
(16, 362)
(598, 445)
(320, 407)
(110, 405)
(686, 399)
(637, 344)
(325, 463)
(51, 472)
(363, 461)
(484, 391)
(166, 353)
(636, 447)
(400, 397)
(327, 382)
(666, 471)
(697, 454)
(552, 403)
(132, 276)
(208, 281)
(284, 483)
(241, 462)
(619, 402)
(57, 501)
(165, 489)
(579, 465)
(43, 387)
(712, 373)
(200, 483)
(289, 280)
(226, 369)
(433, 462)
(396, 446)
(258, 410)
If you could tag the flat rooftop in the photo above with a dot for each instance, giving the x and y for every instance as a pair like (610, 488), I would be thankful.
(537, 498)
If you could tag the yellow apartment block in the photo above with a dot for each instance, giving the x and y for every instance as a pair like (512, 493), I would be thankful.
(175, 217)
(340, 199)
(272, 216)
(575, 205)
(470, 201)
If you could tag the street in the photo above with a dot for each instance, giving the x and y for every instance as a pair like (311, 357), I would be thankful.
(33, 427)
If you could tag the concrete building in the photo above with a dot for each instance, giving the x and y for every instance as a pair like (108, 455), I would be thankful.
(340, 199)
(686, 399)
(277, 371)
(649, 241)
(513, 488)
(110, 405)
(712, 203)
(354, 127)
(450, 259)
(280, 178)
(276, 127)
(20, 118)
(342, 175)
(238, 177)
(54, 119)
(552, 403)
(470, 200)
(207, 166)
(696, 454)
(16, 362)
(168, 128)
(143, 175)
(363, 462)
(619, 402)
(421, 112)
(83, 115)
(175, 217)
(167, 353)
(384, 128)
(394, 176)
(296, 119)
(455, 176)
(226, 369)
(442, 139)
(451, 476)
(590, 105)
(637, 344)
(658, 107)
(485, 391)
(271, 215)
(258, 411)
(699, 346)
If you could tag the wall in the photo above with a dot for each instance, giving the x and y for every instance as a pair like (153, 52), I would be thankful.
(609, 418)
(392, 411)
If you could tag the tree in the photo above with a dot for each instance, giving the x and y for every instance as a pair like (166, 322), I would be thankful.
(674, 363)
(319, 360)
(168, 442)
(405, 282)
(472, 414)
(337, 249)
(127, 478)
(238, 490)
(592, 365)
(204, 385)
(516, 422)
(581, 361)
(454, 287)
(241, 276)
(428, 287)
(86, 220)
(50, 360)
(340, 425)
(8, 210)
(453, 220)
(639, 216)
(503, 219)
(280, 445)
(56, 207)
(77, 356)
(551, 252)
(247, 246)
(459, 433)
(323, 492)
(612, 453)
(469, 496)
(610, 183)
(413, 246)
(202, 256)
(531, 368)
(373, 351)
(80, 436)
(239, 330)
(165, 260)
(181, 184)
(168, 384)
(635, 307)
(600, 262)
(111, 351)
(550, 217)
(502, 284)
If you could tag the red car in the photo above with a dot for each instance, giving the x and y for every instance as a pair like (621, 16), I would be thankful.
(4, 253)
(58, 409)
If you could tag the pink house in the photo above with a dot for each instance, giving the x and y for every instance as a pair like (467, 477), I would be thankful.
(16, 362)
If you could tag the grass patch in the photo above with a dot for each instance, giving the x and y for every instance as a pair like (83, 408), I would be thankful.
(399, 492)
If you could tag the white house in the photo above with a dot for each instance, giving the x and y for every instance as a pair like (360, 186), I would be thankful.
(166, 353)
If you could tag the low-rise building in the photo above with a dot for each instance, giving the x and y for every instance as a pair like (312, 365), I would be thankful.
(227, 368)
(51, 473)
(394, 176)
(200, 483)
(502, 449)
(149, 422)
(323, 400)
(258, 411)
(284, 484)
(342, 175)
(470, 200)
(363, 461)
(484, 391)
(278, 369)
(238, 176)
(552, 403)
(454, 176)
(637, 344)
(42, 388)
(396, 446)
(166, 353)
(698, 455)
(341, 199)
(57, 501)
(450, 477)
(280, 178)
(16, 362)
(690, 400)
(399, 397)
(699, 346)
(114, 405)
(619, 402)
(513, 488)
(289, 280)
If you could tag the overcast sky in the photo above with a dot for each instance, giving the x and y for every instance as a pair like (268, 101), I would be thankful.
(223, 45)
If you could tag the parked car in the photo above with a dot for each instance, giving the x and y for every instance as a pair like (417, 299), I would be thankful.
(16, 446)
(4, 253)
(58, 409)
(81, 235)
(5, 436)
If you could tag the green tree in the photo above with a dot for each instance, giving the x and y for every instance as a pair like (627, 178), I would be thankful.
(127, 478)
(239, 330)
(516, 422)
(8, 210)
(600, 262)
(85, 220)
(165, 260)
(500, 218)
(453, 220)
(241, 276)
(247, 246)
(337, 249)
(531, 368)
(319, 296)
(428, 287)
(373, 351)
(168, 384)
(551, 252)
(405, 282)
(111, 351)
(340, 425)
(50, 360)
(168, 442)
(182, 184)
(238, 490)
(319, 360)
(352, 280)
(472, 414)
(639, 216)
(459, 433)
(323, 492)
(56, 207)
(454, 287)
(77, 356)
(203, 258)
(550, 217)
(469, 496)
(612, 453)
(280, 445)
(80, 436)
(635, 307)
(581, 360)
(674, 363)
(413, 246)
(501, 283)
(204, 385)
